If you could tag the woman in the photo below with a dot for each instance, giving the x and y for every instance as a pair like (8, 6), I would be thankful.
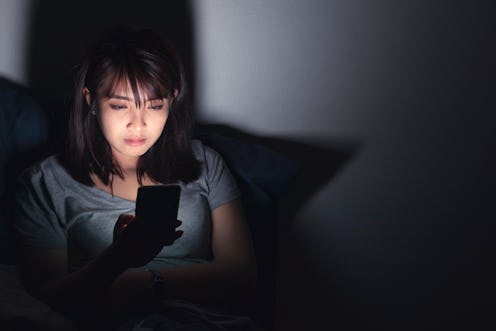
(81, 249)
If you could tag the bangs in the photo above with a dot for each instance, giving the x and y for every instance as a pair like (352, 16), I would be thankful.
(144, 85)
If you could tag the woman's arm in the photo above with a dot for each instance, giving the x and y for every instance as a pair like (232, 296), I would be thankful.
(45, 275)
(232, 272)
(228, 278)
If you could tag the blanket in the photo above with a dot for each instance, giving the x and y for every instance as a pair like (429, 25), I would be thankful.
(178, 315)
(21, 311)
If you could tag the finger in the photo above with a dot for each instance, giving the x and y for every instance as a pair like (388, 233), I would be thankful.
(124, 220)
(178, 223)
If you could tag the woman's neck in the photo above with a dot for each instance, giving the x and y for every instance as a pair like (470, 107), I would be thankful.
(127, 164)
(125, 188)
(129, 173)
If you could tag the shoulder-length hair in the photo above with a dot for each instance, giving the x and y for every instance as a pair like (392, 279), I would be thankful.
(148, 63)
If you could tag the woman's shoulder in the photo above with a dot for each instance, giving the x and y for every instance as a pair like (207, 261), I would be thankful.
(204, 153)
(48, 164)
(213, 162)
(48, 169)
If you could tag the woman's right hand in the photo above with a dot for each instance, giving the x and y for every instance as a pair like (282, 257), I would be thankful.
(136, 243)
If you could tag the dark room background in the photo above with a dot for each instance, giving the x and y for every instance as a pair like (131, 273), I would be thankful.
(402, 236)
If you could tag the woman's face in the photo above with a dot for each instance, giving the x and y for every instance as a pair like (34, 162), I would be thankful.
(131, 130)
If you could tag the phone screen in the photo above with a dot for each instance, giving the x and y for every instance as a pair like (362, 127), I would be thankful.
(158, 203)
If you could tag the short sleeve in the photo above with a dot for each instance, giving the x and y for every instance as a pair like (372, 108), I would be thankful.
(222, 187)
(35, 222)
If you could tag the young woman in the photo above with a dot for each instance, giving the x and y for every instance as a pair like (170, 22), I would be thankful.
(81, 249)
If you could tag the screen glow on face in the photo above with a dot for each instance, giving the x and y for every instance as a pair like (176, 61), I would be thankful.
(130, 129)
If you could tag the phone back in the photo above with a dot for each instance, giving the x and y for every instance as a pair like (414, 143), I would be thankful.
(158, 203)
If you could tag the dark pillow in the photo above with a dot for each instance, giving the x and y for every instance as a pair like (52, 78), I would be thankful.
(262, 174)
(24, 128)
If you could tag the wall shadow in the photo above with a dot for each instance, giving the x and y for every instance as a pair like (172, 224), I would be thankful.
(60, 31)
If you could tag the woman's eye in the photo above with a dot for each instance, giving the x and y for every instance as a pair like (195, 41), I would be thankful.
(117, 107)
(156, 106)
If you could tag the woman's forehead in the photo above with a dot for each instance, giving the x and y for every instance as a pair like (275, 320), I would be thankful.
(123, 88)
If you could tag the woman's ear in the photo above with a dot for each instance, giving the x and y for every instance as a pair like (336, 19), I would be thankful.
(172, 98)
(87, 95)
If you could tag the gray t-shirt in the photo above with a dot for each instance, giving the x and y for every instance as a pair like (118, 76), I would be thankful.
(58, 212)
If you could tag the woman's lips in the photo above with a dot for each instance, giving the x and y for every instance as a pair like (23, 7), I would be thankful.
(135, 141)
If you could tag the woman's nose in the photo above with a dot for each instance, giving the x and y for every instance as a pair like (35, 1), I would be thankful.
(137, 119)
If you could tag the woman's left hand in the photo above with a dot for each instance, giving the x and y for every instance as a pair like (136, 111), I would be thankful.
(138, 242)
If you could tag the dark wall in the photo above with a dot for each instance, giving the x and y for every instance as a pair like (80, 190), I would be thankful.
(61, 30)
(403, 237)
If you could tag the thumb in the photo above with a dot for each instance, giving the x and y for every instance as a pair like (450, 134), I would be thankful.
(123, 221)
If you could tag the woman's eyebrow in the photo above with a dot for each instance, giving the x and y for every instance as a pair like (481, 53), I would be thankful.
(121, 97)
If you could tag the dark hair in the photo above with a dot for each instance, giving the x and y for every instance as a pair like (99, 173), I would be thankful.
(148, 63)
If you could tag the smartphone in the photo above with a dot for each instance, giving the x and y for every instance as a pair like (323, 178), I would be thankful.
(158, 203)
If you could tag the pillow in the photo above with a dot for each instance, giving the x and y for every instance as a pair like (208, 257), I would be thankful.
(262, 174)
(24, 128)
